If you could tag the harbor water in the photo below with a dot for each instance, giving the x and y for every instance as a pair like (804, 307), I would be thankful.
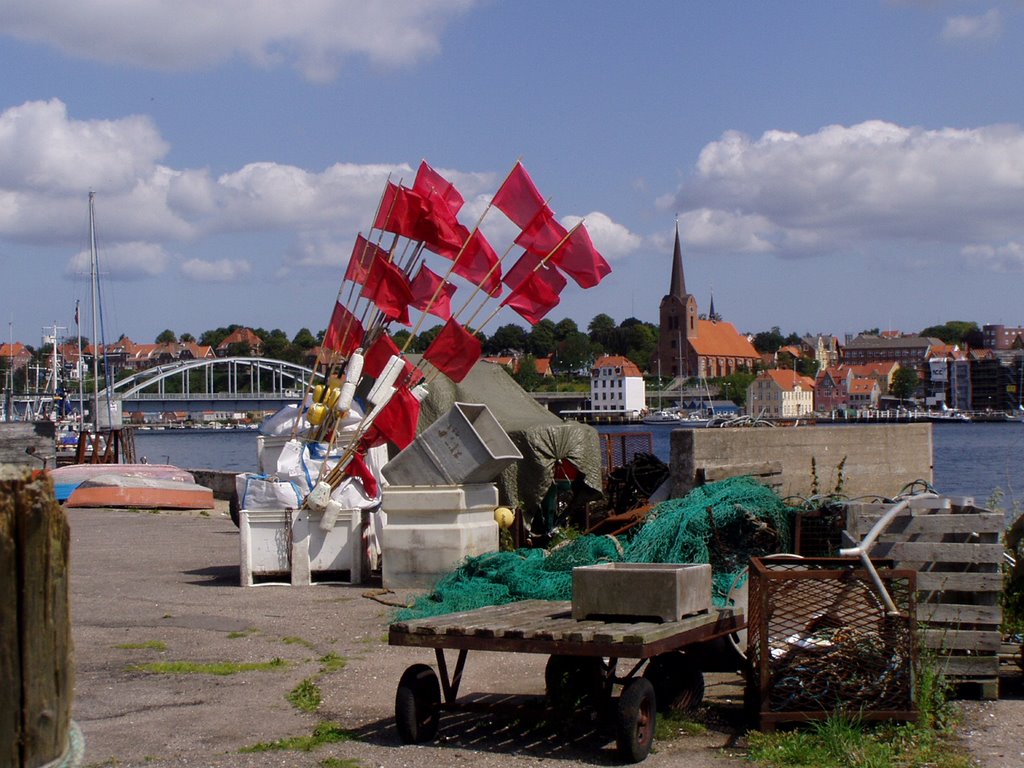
(970, 459)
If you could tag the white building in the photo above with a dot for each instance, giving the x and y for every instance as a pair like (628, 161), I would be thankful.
(616, 384)
(780, 394)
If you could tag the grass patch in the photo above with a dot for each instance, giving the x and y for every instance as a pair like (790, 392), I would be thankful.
(212, 668)
(203, 513)
(844, 742)
(672, 725)
(305, 696)
(291, 640)
(324, 733)
(150, 645)
(339, 762)
(241, 633)
(332, 662)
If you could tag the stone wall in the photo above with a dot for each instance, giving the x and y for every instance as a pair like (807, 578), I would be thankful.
(876, 459)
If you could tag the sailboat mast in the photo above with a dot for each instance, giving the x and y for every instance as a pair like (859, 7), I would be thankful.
(94, 282)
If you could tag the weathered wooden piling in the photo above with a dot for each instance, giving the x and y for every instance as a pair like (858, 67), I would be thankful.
(36, 662)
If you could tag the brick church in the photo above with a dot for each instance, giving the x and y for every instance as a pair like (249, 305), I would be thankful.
(692, 347)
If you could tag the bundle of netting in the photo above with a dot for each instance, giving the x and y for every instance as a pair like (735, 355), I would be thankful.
(497, 578)
(723, 524)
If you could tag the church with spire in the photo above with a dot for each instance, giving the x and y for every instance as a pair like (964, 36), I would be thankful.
(689, 346)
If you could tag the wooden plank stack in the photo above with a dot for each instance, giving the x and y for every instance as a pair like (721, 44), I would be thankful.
(35, 625)
(955, 549)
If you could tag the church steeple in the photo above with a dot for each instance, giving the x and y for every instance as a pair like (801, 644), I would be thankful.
(677, 287)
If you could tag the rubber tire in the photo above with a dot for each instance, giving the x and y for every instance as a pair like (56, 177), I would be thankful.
(417, 705)
(635, 720)
(678, 682)
(573, 682)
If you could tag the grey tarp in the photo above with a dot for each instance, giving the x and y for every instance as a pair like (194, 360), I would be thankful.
(540, 436)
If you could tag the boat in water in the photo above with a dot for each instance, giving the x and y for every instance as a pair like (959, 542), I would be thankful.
(661, 417)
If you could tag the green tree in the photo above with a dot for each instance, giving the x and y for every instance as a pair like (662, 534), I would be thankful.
(507, 338)
(276, 345)
(304, 339)
(166, 337)
(573, 353)
(905, 382)
(565, 328)
(187, 338)
(769, 341)
(602, 331)
(953, 331)
(638, 341)
(541, 341)
(526, 376)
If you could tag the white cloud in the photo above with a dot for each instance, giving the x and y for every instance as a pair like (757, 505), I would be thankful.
(218, 271)
(123, 262)
(988, 26)
(1008, 257)
(810, 194)
(312, 36)
(612, 239)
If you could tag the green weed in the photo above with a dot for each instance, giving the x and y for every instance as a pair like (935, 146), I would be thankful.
(211, 668)
(339, 762)
(241, 633)
(305, 696)
(672, 725)
(324, 733)
(291, 640)
(332, 662)
(152, 645)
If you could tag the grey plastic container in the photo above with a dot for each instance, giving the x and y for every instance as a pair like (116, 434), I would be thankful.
(466, 445)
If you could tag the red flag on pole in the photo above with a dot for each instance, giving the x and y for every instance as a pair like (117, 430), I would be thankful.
(454, 351)
(536, 295)
(543, 234)
(388, 288)
(398, 419)
(377, 356)
(424, 286)
(478, 263)
(344, 333)
(427, 180)
(358, 469)
(518, 198)
(359, 262)
(401, 211)
(579, 259)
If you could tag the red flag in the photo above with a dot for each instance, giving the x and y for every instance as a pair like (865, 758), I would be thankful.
(398, 419)
(344, 333)
(521, 270)
(388, 288)
(536, 295)
(427, 180)
(478, 263)
(543, 234)
(358, 469)
(424, 287)
(401, 211)
(454, 351)
(377, 356)
(518, 198)
(362, 257)
(579, 259)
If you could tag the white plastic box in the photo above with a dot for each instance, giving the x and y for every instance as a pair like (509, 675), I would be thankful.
(430, 531)
(290, 544)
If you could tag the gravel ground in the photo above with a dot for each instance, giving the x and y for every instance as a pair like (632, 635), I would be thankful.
(141, 579)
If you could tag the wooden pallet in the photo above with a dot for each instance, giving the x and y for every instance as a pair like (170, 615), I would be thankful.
(955, 549)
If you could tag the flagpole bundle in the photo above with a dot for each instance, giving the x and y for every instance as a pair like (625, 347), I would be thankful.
(392, 282)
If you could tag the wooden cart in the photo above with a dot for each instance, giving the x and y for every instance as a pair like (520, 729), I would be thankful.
(581, 668)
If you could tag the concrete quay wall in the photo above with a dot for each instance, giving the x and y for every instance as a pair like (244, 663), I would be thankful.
(876, 459)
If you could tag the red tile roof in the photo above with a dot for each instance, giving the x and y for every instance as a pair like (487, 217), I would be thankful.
(628, 367)
(721, 339)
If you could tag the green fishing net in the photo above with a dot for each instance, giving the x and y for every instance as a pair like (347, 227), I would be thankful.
(723, 524)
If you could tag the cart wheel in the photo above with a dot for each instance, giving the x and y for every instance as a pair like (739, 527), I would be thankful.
(678, 682)
(573, 682)
(417, 704)
(635, 718)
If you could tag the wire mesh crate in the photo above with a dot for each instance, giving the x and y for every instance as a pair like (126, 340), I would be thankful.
(620, 448)
(820, 640)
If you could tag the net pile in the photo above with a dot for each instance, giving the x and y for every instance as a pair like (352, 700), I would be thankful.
(723, 524)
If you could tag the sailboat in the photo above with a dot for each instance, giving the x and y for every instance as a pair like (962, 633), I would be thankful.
(661, 416)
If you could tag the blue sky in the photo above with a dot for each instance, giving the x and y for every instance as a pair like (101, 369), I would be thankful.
(833, 166)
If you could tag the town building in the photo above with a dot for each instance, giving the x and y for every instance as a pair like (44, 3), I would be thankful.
(689, 346)
(1002, 337)
(908, 351)
(243, 337)
(15, 355)
(780, 394)
(616, 384)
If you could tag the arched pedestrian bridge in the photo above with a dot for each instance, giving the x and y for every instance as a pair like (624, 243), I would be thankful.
(236, 384)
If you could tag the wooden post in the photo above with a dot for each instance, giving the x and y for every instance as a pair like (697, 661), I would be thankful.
(35, 624)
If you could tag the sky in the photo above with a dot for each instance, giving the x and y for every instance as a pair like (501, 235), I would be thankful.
(831, 167)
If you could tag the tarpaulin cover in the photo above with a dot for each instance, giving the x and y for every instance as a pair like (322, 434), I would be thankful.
(540, 436)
